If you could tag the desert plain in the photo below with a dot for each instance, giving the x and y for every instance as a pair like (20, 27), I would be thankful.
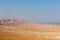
(30, 31)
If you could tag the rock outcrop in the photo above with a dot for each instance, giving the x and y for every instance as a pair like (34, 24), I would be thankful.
(11, 21)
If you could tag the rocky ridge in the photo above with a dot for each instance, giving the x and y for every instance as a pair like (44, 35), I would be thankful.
(11, 21)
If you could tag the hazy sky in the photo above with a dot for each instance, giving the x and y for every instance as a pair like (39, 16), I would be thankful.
(31, 10)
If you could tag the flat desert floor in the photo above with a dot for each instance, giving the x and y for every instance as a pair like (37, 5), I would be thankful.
(30, 31)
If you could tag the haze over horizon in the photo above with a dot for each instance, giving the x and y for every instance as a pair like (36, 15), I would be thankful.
(44, 11)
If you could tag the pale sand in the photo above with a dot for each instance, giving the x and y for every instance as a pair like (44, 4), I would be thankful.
(30, 31)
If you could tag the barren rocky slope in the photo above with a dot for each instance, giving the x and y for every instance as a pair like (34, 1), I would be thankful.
(28, 31)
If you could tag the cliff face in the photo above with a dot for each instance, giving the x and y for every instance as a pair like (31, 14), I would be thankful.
(28, 31)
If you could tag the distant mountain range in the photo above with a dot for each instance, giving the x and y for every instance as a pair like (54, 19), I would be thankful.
(55, 23)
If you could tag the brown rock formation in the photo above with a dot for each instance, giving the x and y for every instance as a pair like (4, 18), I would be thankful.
(10, 22)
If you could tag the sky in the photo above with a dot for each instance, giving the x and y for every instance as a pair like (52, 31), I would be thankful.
(42, 11)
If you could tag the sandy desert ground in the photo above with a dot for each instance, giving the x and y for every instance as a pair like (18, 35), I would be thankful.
(30, 31)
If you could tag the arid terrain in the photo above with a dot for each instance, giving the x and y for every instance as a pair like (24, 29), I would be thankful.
(28, 31)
